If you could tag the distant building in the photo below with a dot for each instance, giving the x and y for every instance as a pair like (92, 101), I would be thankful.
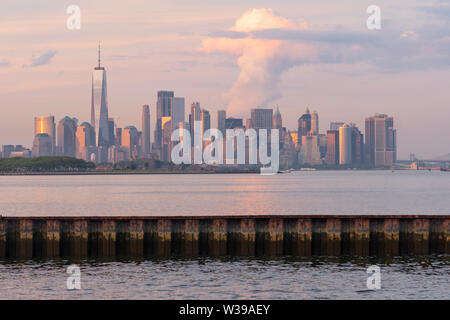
(46, 125)
(221, 117)
(21, 154)
(111, 131)
(315, 123)
(163, 109)
(146, 143)
(323, 141)
(194, 116)
(7, 150)
(294, 137)
(85, 142)
(118, 138)
(117, 154)
(99, 106)
(42, 145)
(261, 119)
(178, 111)
(130, 142)
(166, 144)
(381, 141)
(309, 151)
(233, 123)
(206, 121)
(357, 146)
(67, 128)
(18, 151)
(288, 153)
(345, 145)
(332, 155)
(277, 122)
(248, 124)
(304, 125)
(334, 126)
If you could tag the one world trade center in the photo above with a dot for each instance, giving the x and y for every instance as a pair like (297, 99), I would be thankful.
(99, 105)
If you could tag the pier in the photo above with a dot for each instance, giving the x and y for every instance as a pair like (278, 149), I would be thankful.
(262, 235)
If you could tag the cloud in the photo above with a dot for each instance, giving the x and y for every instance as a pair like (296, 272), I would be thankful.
(4, 63)
(267, 45)
(43, 59)
(261, 61)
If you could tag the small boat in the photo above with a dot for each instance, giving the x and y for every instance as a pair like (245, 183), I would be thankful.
(286, 171)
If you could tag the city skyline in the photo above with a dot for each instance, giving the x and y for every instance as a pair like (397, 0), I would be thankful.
(110, 143)
(173, 56)
(102, 141)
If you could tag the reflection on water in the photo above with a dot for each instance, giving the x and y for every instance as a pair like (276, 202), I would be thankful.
(229, 278)
(319, 192)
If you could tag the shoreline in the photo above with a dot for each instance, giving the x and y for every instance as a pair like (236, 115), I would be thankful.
(149, 172)
(82, 173)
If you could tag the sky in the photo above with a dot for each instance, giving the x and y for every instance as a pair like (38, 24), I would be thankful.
(233, 55)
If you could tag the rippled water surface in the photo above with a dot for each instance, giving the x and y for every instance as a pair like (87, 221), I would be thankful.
(320, 192)
(313, 278)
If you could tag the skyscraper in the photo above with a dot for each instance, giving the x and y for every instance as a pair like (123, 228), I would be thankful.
(67, 128)
(46, 125)
(277, 120)
(164, 104)
(111, 134)
(206, 121)
(310, 152)
(42, 145)
(221, 117)
(332, 155)
(315, 123)
(381, 141)
(178, 111)
(146, 131)
(130, 142)
(304, 125)
(345, 145)
(334, 126)
(261, 119)
(85, 141)
(166, 142)
(233, 123)
(194, 116)
(118, 137)
(99, 105)
(357, 146)
(163, 109)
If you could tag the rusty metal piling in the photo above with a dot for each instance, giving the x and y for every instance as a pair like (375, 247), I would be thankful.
(261, 236)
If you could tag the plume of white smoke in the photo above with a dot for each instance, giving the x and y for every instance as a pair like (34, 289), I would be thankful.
(261, 61)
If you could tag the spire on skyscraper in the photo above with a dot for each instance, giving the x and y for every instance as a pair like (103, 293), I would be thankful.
(99, 54)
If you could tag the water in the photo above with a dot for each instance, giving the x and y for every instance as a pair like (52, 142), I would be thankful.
(320, 192)
(313, 278)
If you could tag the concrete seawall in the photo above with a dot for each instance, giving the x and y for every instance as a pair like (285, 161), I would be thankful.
(333, 235)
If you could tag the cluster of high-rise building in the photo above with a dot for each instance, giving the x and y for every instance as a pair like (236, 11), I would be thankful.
(344, 144)
(100, 140)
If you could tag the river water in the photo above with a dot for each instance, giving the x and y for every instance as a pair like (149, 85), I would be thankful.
(311, 278)
(320, 192)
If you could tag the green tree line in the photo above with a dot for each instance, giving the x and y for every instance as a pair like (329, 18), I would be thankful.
(44, 164)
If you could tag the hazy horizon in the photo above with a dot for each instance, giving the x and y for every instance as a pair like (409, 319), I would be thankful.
(233, 55)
